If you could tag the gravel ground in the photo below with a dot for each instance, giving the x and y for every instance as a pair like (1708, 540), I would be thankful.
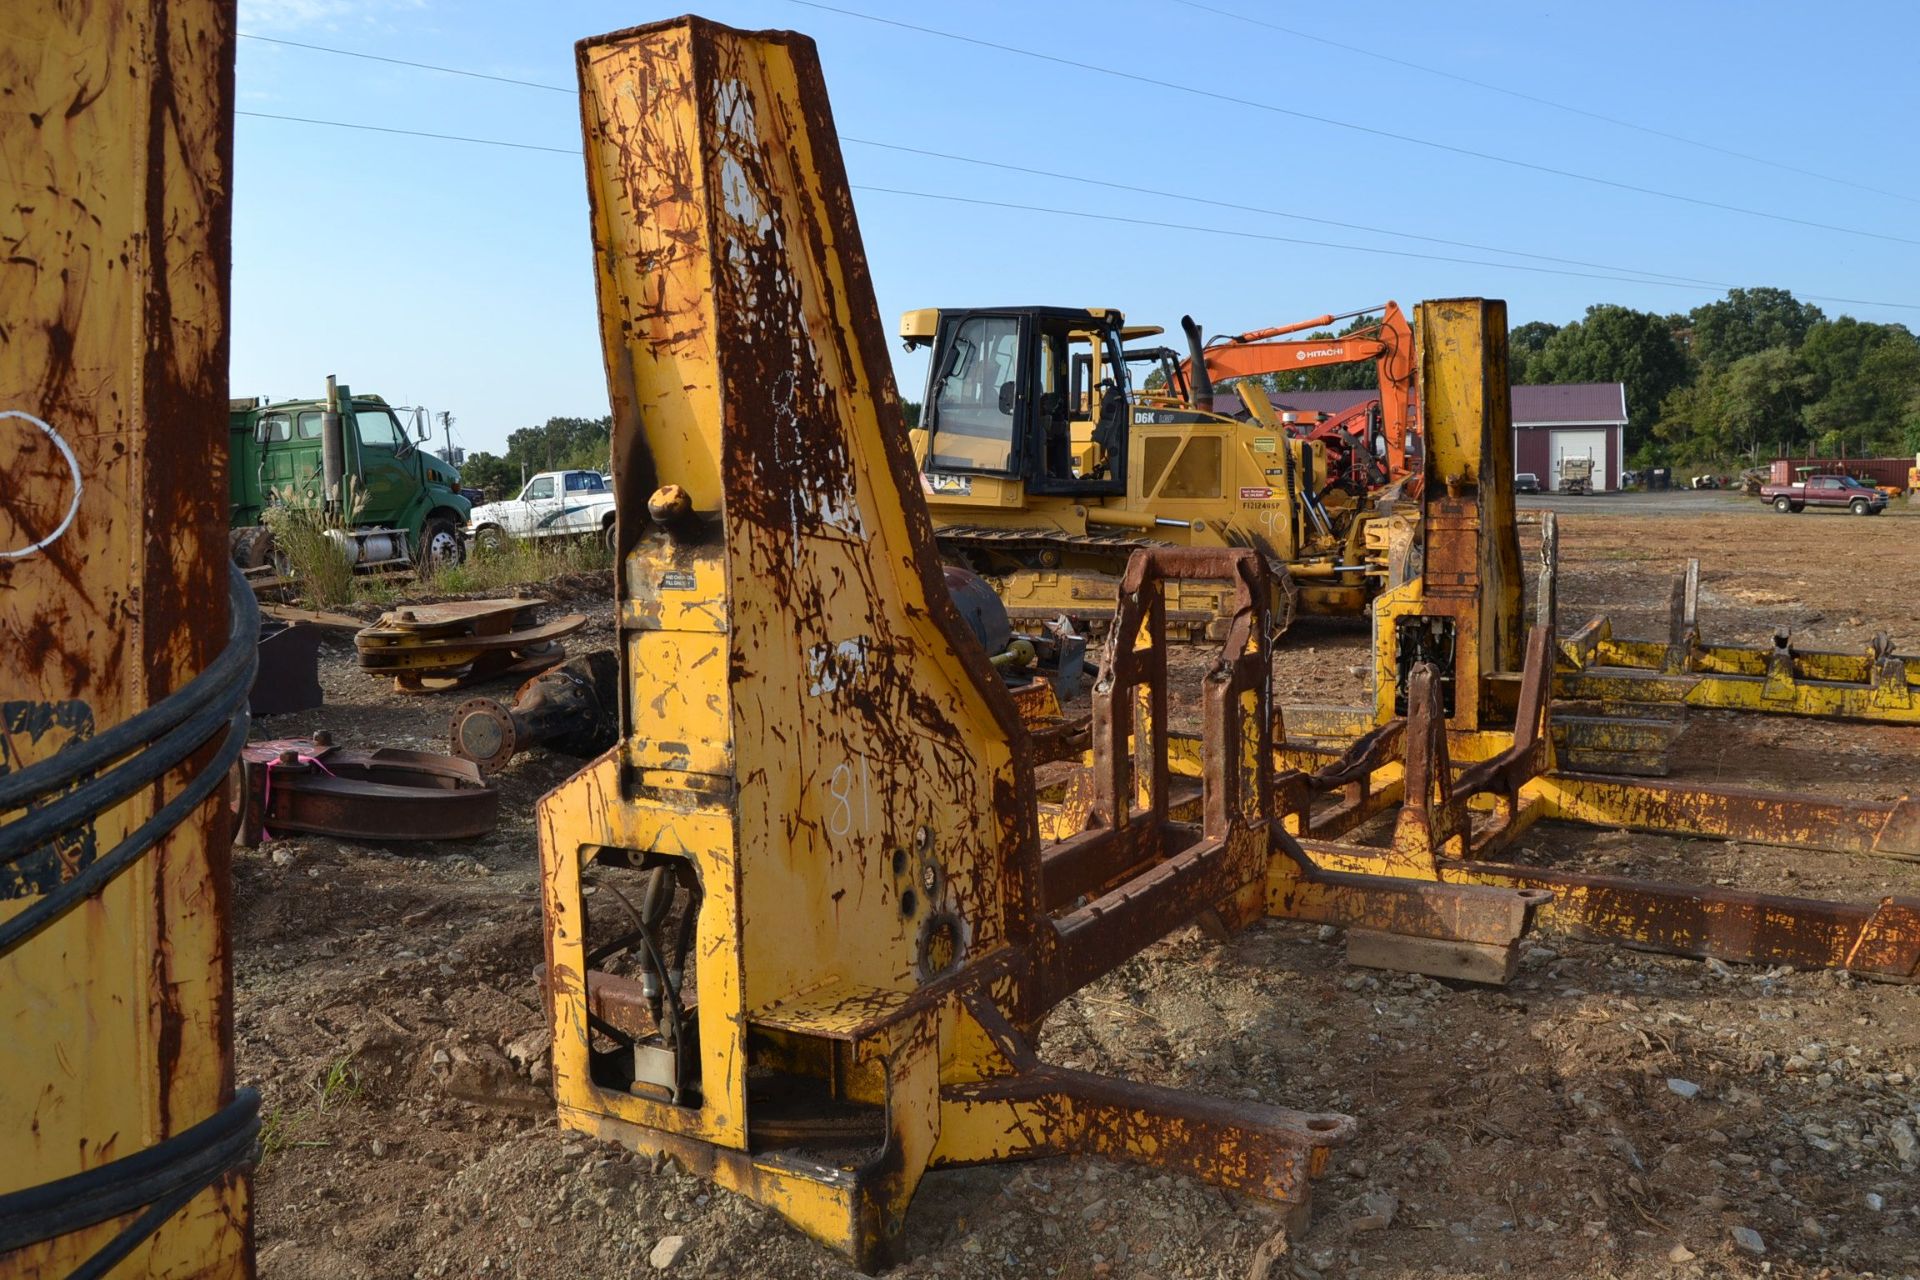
(1610, 1114)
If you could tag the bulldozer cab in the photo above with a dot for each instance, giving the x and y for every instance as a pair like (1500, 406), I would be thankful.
(1034, 394)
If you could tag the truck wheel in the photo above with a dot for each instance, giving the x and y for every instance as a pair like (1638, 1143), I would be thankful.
(253, 548)
(1783, 505)
(490, 540)
(608, 538)
(440, 545)
(1860, 507)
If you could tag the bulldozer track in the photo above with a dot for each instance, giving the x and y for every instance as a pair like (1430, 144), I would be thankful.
(1192, 625)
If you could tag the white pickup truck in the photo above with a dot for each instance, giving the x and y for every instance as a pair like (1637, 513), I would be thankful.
(554, 504)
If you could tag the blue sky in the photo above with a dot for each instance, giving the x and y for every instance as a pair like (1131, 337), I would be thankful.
(458, 275)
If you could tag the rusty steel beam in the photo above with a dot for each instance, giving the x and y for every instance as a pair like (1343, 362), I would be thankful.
(813, 748)
(1874, 684)
(1884, 829)
(116, 1006)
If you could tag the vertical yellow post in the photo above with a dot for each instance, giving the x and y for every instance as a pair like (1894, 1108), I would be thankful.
(116, 151)
(1472, 544)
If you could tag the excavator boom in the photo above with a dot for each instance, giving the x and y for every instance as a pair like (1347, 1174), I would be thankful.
(1389, 344)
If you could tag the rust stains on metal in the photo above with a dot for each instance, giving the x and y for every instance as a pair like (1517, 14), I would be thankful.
(386, 793)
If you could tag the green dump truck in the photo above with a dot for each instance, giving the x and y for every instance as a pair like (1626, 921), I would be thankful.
(388, 502)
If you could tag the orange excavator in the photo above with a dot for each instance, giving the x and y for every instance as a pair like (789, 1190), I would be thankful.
(1387, 342)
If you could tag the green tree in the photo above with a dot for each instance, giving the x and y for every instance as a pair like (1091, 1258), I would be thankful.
(910, 410)
(1864, 380)
(1618, 344)
(1747, 321)
(500, 478)
(1524, 343)
(1761, 397)
(562, 444)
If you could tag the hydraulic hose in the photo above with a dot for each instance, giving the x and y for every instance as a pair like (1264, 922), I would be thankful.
(175, 727)
(65, 791)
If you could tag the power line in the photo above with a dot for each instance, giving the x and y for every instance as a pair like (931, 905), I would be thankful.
(1545, 102)
(1370, 130)
(413, 133)
(402, 62)
(1069, 177)
(1273, 213)
(1139, 222)
(1351, 248)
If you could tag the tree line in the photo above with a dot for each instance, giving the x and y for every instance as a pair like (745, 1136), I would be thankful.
(1734, 380)
(1731, 381)
(559, 444)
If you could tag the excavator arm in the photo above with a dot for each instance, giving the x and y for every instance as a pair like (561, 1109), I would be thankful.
(1389, 345)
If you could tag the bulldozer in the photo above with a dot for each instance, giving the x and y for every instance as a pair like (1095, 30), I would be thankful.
(1044, 470)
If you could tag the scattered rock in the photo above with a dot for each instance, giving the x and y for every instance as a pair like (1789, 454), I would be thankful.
(378, 1148)
(667, 1252)
(531, 1047)
(1906, 1147)
(1876, 1201)
(282, 857)
(1685, 1088)
(1379, 1207)
(1680, 1253)
(1747, 1240)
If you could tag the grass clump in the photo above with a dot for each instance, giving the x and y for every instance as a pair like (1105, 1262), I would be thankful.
(519, 563)
(306, 551)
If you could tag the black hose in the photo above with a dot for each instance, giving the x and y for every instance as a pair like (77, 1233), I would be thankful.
(182, 725)
(84, 757)
(190, 1160)
(165, 1177)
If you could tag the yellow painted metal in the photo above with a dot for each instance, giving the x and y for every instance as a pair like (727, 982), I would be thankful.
(1868, 685)
(115, 157)
(811, 739)
(1194, 479)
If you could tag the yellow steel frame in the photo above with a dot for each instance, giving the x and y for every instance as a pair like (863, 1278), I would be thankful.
(1871, 684)
(1466, 785)
(115, 154)
(811, 740)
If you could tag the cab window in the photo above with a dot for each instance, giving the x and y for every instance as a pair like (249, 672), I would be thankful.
(377, 427)
(277, 426)
(973, 399)
(308, 425)
(540, 487)
(585, 482)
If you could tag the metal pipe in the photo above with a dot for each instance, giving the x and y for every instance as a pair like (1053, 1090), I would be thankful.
(333, 455)
(1201, 393)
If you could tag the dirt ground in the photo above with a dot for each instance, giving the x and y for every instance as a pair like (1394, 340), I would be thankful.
(1609, 1114)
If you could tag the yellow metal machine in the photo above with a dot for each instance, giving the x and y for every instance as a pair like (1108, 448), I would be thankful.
(1460, 744)
(800, 928)
(1684, 671)
(125, 655)
(1045, 471)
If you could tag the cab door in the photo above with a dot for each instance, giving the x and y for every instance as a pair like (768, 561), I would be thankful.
(538, 508)
(388, 484)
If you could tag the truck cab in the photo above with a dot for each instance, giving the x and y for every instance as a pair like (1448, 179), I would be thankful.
(575, 503)
(398, 503)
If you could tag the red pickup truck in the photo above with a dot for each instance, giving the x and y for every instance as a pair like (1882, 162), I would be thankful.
(1838, 492)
